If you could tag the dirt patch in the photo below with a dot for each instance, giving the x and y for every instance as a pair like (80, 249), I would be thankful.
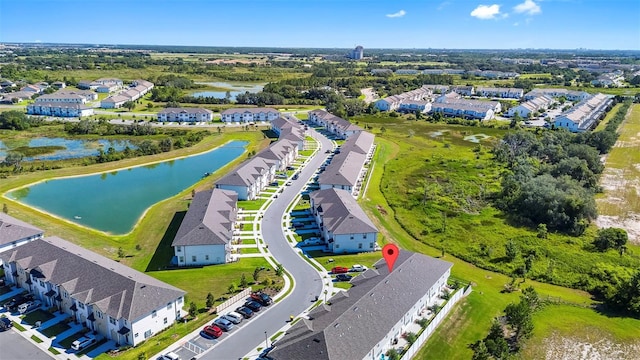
(631, 223)
(561, 348)
(381, 210)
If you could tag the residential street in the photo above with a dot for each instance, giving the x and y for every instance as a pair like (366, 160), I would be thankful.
(308, 283)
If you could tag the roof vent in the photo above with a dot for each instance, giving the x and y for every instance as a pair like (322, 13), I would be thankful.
(316, 340)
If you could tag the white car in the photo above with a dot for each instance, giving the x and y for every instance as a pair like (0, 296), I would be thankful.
(83, 342)
(169, 356)
(358, 268)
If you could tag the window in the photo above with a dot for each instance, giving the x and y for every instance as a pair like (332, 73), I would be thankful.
(112, 320)
(364, 236)
(193, 258)
(206, 257)
(178, 248)
(359, 245)
(181, 259)
(165, 321)
(154, 314)
(370, 245)
(81, 305)
(147, 334)
(351, 237)
(136, 335)
(337, 246)
(99, 314)
(169, 306)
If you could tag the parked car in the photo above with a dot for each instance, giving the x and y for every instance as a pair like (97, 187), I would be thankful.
(262, 298)
(343, 277)
(328, 151)
(234, 317)
(295, 176)
(5, 324)
(223, 324)
(290, 168)
(83, 342)
(245, 312)
(273, 183)
(211, 331)
(253, 305)
(281, 176)
(17, 301)
(312, 241)
(29, 306)
(340, 270)
(169, 356)
(289, 183)
(358, 268)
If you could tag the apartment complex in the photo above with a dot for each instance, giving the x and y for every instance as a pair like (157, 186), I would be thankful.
(584, 115)
(185, 115)
(248, 115)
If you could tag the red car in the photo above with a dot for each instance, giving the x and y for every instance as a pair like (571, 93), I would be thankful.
(212, 331)
(339, 270)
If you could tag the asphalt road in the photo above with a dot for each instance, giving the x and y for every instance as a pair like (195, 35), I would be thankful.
(15, 347)
(308, 283)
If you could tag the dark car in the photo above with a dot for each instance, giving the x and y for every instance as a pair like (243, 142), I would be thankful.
(253, 305)
(17, 301)
(245, 312)
(262, 298)
(343, 277)
(5, 324)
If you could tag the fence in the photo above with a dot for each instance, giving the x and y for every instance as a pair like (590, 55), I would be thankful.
(241, 295)
(413, 349)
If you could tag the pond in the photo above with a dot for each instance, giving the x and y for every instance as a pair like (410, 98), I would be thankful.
(233, 88)
(113, 202)
(61, 149)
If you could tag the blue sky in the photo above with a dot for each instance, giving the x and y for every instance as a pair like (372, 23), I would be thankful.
(455, 24)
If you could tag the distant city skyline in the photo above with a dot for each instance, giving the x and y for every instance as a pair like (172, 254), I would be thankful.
(440, 24)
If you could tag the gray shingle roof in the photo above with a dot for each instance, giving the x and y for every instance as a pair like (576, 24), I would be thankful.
(246, 173)
(115, 289)
(209, 220)
(344, 169)
(185, 111)
(250, 110)
(360, 142)
(341, 214)
(12, 229)
(353, 324)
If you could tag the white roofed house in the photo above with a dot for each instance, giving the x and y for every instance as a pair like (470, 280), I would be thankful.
(585, 114)
(528, 108)
(114, 102)
(14, 232)
(107, 88)
(343, 224)
(185, 115)
(342, 128)
(62, 109)
(62, 97)
(505, 93)
(249, 178)
(366, 321)
(88, 95)
(247, 115)
(468, 109)
(206, 232)
(117, 302)
(464, 90)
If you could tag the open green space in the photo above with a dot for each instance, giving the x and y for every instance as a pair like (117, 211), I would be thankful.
(329, 261)
(247, 226)
(608, 118)
(250, 250)
(251, 204)
(469, 321)
(622, 172)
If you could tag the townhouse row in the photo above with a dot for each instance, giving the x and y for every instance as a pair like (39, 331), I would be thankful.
(137, 90)
(584, 115)
(106, 297)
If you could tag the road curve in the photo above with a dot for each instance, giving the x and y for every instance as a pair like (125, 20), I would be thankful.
(308, 283)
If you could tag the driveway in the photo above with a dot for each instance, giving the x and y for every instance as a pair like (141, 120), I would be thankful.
(308, 283)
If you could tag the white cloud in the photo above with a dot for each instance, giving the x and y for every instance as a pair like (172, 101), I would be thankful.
(400, 13)
(486, 12)
(529, 7)
(444, 4)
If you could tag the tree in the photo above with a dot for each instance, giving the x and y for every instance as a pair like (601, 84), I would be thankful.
(5, 208)
(193, 309)
(121, 252)
(611, 238)
(542, 231)
(149, 106)
(256, 274)
(231, 289)
(519, 317)
(172, 104)
(279, 270)
(511, 250)
(243, 281)
(14, 120)
(130, 105)
(480, 351)
(210, 300)
(628, 295)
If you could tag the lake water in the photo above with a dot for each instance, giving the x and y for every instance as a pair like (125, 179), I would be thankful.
(113, 202)
(73, 148)
(234, 89)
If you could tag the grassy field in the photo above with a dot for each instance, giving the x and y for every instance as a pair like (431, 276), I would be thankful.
(470, 320)
(608, 118)
(622, 173)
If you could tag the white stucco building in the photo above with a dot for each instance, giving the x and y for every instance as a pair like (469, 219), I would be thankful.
(117, 302)
(247, 115)
(185, 115)
(206, 232)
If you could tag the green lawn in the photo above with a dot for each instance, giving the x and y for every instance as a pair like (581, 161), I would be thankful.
(54, 330)
(251, 250)
(607, 118)
(66, 343)
(621, 197)
(366, 258)
(247, 226)
(36, 339)
(38, 315)
(306, 152)
(251, 204)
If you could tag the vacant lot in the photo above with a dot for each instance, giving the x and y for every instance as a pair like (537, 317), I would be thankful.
(620, 204)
